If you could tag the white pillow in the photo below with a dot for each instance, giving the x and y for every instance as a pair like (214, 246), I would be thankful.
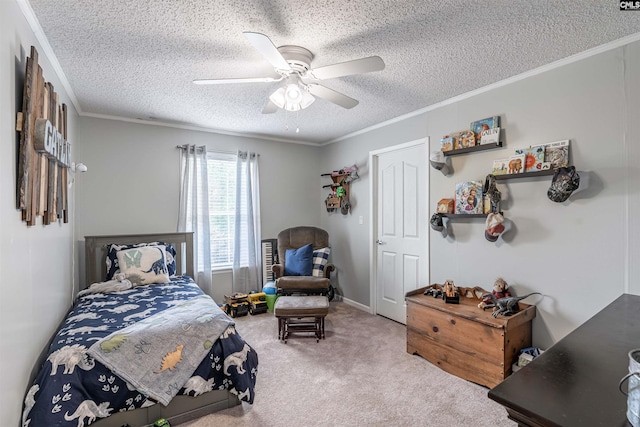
(144, 265)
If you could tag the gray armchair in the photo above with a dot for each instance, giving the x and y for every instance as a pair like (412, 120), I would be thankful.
(295, 238)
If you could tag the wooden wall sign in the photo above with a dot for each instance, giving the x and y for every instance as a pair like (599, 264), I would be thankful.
(44, 152)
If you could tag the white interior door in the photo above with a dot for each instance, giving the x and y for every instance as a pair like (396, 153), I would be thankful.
(402, 262)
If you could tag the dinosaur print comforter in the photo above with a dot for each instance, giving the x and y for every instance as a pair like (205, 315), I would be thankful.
(74, 389)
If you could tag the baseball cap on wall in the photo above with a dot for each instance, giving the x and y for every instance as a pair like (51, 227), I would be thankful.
(437, 160)
(494, 226)
(565, 181)
(436, 222)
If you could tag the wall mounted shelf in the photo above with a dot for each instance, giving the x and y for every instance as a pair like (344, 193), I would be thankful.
(457, 216)
(451, 216)
(472, 149)
(524, 175)
(340, 189)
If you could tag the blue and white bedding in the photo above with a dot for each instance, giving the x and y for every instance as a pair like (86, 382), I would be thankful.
(75, 389)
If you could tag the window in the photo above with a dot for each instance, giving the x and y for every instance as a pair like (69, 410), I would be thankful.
(222, 204)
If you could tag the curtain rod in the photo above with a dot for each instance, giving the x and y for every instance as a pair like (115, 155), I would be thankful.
(215, 151)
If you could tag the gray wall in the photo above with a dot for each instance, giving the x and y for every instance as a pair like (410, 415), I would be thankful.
(580, 253)
(567, 251)
(36, 263)
(133, 179)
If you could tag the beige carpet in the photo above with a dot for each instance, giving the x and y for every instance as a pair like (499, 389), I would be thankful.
(360, 375)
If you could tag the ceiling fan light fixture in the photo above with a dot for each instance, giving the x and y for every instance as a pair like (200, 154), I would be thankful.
(307, 99)
(292, 98)
(278, 98)
(293, 93)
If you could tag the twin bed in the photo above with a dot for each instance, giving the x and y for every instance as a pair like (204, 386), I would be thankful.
(130, 352)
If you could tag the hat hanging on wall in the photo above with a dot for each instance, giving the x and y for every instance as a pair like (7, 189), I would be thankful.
(438, 161)
(436, 222)
(494, 226)
(565, 181)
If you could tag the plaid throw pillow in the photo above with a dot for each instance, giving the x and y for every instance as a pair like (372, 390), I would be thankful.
(320, 259)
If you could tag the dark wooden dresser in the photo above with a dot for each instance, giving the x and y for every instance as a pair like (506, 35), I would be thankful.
(465, 340)
(575, 382)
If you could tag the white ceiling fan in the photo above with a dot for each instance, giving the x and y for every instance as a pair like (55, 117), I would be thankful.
(293, 65)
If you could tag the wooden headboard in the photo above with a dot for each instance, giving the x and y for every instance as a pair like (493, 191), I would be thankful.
(95, 250)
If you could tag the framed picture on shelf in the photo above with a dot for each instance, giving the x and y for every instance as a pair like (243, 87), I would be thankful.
(557, 154)
(479, 125)
(490, 136)
(446, 143)
(516, 164)
(500, 167)
(533, 157)
(469, 197)
(464, 139)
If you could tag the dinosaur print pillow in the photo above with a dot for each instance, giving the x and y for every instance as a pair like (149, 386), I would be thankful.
(144, 265)
(112, 259)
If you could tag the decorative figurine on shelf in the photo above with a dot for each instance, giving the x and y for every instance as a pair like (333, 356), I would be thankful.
(450, 293)
(500, 290)
(446, 206)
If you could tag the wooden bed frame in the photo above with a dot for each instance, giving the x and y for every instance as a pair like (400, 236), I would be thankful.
(182, 408)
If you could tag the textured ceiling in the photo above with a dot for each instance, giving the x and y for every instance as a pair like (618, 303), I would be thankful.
(137, 58)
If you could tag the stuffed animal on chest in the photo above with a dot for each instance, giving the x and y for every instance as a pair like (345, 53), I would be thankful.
(500, 290)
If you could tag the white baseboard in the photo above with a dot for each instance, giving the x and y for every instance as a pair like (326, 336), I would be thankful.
(354, 304)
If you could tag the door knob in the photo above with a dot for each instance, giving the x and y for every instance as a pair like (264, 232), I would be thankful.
(380, 242)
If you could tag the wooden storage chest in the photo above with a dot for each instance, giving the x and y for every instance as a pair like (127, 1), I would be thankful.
(464, 340)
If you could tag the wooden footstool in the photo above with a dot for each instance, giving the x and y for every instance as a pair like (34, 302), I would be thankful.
(301, 314)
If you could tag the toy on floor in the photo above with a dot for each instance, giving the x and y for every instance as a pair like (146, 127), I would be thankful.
(162, 422)
(236, 304)
(257, 303)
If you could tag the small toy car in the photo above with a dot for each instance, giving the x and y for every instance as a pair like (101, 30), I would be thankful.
(434, 292)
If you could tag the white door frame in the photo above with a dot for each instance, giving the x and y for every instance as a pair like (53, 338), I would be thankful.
(373, 214)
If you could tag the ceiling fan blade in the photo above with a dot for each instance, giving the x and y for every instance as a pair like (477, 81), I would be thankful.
(270, 108)
(357, 66)
(241, 80)
(266, 47)
(332, 96)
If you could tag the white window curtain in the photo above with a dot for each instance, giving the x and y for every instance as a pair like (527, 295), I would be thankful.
(247, 259)
(194, 209)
